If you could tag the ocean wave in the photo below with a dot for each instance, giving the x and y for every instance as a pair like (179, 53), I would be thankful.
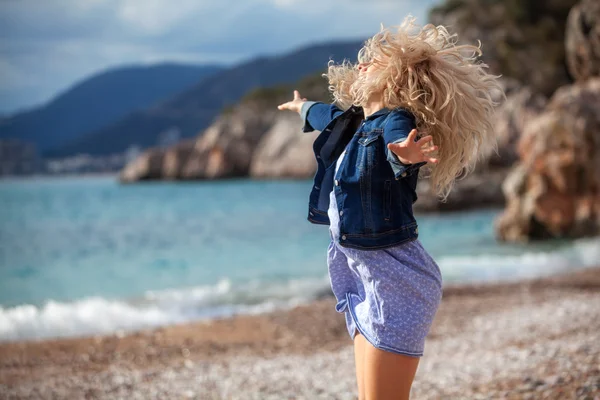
(489, 267)
(97, 315)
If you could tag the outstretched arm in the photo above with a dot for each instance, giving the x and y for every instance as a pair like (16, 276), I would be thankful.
(321, 114)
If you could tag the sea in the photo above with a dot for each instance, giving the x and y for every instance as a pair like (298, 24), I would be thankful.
(87, 255)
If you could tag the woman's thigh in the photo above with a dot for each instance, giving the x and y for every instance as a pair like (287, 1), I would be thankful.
(359, 361)
(386, 375)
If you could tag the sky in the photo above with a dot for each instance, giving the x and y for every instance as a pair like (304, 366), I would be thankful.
(48, 45)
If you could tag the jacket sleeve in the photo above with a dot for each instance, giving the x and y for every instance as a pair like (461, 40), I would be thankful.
(396, 130)
(317, 115)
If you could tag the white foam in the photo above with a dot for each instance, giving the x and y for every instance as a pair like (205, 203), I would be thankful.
(578, 254)
(97, 315)
(83, 317)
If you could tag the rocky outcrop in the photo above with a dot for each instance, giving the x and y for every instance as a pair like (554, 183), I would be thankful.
(225, 150)
(149, 165)
(285, 151)
(521, 105)
(252, 139)
(554, 191)
(175, 159)
(583, 40)
(159, 163)
(239, 144)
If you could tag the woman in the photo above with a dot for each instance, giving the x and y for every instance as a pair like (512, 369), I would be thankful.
(368, 157)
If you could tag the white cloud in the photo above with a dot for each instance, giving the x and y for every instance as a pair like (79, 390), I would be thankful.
(155, 17)
(285, 3)
(88, 5)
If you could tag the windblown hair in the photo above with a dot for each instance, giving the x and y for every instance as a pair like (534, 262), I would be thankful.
(443, 84)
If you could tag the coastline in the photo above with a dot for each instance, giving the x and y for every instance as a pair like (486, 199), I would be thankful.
(536, 338)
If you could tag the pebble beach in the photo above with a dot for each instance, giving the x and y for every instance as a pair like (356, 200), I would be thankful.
(533, 339)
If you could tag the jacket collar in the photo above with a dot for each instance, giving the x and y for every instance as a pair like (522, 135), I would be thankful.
(359, 110)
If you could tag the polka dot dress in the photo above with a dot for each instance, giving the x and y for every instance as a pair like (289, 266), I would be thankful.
(389, 295)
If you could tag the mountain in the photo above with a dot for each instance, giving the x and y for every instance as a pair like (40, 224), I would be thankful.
(94, 102)
(192, 111)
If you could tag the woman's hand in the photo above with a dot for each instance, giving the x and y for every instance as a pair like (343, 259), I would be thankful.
(293, 105)
(411, 152)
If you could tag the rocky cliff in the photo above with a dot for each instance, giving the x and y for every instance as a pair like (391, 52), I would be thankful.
(554, 189)
(285, 151)
(224, 150)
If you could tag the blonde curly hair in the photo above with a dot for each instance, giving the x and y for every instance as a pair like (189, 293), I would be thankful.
(443, 84)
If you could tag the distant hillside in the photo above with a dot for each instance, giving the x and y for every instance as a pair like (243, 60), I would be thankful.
(193, 110)
(100, 100)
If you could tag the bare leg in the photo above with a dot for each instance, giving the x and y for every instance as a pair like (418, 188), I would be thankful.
(387, 375)
(359, 357)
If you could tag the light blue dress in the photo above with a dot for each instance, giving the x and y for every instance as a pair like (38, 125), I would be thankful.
(389, 295)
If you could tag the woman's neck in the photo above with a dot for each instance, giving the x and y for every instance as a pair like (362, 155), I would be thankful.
(373, 105)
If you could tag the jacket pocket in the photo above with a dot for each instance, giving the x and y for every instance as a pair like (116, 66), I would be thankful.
(367, 140)
(369, 149)
(387, 200)
(371, 137)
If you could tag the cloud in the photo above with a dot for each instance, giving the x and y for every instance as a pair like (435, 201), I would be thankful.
(157, 17)
(45, 46)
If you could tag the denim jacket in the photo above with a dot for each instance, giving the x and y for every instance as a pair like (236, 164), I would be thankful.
(374, 190)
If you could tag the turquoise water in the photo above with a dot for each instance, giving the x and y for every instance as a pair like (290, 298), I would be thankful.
(87, 255)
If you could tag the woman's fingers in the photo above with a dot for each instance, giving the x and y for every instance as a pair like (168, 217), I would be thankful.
(430, 149)
(412, 135)
(292, 105)
(396, 146)
(424, 140)
(286, 106)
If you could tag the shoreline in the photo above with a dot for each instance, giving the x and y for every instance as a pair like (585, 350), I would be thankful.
(511, 338)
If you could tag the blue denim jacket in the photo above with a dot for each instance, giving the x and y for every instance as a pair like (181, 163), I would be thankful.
(374, 190)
